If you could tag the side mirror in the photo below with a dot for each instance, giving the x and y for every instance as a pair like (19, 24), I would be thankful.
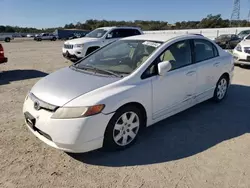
(109, 36)
(164, 67)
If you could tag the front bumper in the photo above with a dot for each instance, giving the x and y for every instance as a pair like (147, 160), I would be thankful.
(4, 60)
(69, 56)
(71, 135)
(241, 58)
(74, 53)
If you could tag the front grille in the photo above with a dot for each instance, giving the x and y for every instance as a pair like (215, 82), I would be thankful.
(68, 46)
(247, 50)
(39, 104)
(244, 60)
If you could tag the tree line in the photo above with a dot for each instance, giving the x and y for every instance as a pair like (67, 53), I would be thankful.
(211, 21)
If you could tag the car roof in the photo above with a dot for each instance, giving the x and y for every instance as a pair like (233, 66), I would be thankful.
(122, 27)
(162, 37)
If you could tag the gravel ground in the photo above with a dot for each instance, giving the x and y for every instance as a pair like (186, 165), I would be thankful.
(205, 146)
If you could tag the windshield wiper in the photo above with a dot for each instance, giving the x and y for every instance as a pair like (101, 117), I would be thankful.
(99, 69)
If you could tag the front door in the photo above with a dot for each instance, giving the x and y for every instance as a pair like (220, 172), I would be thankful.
(112, 36)
(177, 88)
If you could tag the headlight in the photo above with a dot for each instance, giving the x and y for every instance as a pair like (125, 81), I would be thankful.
(238, 48)
(78, 46)
(77, 112)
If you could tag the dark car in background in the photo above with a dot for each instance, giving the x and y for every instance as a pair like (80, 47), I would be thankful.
(228, 41)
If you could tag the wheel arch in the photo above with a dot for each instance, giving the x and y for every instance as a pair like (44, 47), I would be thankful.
(140, 107)
(91, 48)
(226, 74)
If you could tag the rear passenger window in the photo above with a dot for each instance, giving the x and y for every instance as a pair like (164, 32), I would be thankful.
(129, 32)
(204, 50)
(134, 32)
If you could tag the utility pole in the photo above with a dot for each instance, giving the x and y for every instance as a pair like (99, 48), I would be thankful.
(235, 16)
(248, 17)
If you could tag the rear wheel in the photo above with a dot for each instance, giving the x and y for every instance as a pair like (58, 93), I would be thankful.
(123, 128)
(221, 88)
(7, 39)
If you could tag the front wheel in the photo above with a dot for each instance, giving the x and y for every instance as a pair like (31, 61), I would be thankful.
(221, 89)
(123, 128)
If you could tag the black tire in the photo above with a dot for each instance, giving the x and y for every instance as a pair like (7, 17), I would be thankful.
(39, 39)
(217, 97)
(90, 50)
(109, 143)
(54, 39)
(7, 39)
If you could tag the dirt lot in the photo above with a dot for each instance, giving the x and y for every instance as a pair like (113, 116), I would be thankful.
(206, 146)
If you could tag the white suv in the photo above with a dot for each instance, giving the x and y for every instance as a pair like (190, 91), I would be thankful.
(78, 48)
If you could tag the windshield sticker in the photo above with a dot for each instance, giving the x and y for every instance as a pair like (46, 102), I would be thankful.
(149, 43)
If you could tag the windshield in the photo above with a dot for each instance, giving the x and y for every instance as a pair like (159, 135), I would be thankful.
(244, 32)
(121, 57)
(247, 37)
(98, 33)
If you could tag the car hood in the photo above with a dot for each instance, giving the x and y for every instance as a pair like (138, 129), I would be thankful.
(62, 86)
(81, 40)
(245, 43)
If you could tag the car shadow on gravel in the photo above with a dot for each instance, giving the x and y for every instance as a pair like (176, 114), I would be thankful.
(6, 77)
(244, 66)
(183, 135)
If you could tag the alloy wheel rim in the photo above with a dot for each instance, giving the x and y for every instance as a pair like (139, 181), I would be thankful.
(222, 88)
(126, 128)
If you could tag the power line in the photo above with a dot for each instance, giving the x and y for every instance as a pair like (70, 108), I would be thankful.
(236, 11)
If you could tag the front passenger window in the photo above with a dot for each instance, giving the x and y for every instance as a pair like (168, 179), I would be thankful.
(178, 54)
(115, 34)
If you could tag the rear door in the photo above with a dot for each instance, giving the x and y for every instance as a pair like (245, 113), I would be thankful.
(207, 59)
(46, 36)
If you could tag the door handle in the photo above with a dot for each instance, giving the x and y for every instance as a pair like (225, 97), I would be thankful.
(191, 73)
(216, 64)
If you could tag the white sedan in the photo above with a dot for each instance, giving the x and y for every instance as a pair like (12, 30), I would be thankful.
(241, 52)
(107, 98)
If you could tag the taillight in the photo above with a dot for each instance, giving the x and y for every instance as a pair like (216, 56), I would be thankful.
(1, 50)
